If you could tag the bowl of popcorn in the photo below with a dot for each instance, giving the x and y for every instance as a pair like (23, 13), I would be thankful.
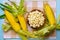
(36, 18)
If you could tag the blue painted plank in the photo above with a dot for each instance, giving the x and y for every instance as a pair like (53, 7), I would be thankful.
(1, 21)
(57, 13)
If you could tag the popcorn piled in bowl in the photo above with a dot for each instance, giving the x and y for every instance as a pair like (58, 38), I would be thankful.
(36, 18)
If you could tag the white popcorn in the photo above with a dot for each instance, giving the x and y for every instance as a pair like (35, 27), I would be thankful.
(36, 19)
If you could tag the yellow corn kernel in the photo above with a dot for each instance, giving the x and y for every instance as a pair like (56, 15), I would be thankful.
(12, 21)
(49, 13)
(22, 22)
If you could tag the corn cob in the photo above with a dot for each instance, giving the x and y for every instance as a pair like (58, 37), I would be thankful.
(10, 18)
(21, 18)
(22, 22)
(49, 13)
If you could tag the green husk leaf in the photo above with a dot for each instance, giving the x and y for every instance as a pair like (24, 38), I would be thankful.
(45, 31)
(58, 19)
(9, 6)
(58, 27)
(21, 8)
(2, 16)
(14, 13)
(6, 27)
(58, 23)
(27, 33)
(14, 4)
(3, 7)
(21, 4)
(23, 37)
